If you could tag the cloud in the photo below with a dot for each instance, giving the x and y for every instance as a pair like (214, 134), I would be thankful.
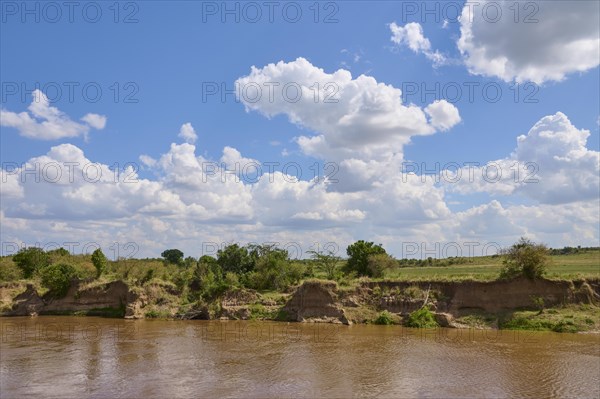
(187, 133)
(549, 39)
(147, 160)
(44, 122)
(94, 120)
(192, 200)
(411, 35)
(443, 115)
(353, 117)
(551, 164)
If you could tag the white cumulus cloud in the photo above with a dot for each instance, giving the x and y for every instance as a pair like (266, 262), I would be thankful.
(352, 117)
(44, 122)
(411, 35)
(551, 164)
(187, 133)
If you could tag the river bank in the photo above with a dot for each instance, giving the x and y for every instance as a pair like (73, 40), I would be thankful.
(560, 306)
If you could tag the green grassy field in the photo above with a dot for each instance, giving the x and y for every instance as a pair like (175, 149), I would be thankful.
(585, 264)
(581, 265)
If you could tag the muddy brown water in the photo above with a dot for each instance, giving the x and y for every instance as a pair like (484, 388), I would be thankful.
(79, 357)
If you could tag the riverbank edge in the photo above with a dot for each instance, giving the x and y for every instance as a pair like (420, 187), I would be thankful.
(562, 306)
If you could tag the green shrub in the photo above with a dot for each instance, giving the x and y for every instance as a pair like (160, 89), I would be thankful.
(422, 318)
(526, 323)
(565, 326)
(157, 314)
(525, 258)
(57, 278)
(274, 271)
(99, 261)
(377, 264)
(9, 270)
(384, 318)
(538, 303)
(30, 260)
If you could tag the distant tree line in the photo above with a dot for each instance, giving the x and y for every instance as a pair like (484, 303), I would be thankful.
(260, 267)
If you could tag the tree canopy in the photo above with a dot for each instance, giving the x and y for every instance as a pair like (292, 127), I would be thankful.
(525, 258)
(359, 253)
(173, 256)
(30, 260)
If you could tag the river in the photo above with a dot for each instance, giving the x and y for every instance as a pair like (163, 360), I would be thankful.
(81, 357)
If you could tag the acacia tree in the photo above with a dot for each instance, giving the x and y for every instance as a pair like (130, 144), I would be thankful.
(173, 256)
(99, 261)
(327, 261)
(525, 258)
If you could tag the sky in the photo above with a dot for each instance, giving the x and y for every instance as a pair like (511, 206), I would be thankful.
(434, 128)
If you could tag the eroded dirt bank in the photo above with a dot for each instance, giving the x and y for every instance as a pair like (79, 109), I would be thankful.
(313, 301)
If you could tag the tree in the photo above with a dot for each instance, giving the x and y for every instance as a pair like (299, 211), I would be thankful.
(273, 269)
(207, 259)
(358, 253)
(31, 259)
(207, 279)
(59, 251)
(173, 256)
(57, 278)
(99, 261)
(328, 262)
(189, 262)
(235, 259)
(525, 258)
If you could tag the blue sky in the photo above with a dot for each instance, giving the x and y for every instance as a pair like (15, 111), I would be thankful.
(167, 58)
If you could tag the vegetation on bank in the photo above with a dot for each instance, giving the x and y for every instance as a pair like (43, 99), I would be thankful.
(178, 282)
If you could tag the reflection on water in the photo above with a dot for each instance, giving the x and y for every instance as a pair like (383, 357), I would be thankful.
(95, 357)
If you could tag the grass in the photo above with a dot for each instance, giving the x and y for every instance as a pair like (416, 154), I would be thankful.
(569, 318)
(487, 268)
(361, 314)
(157, 313)
(478, 320)
(273, 297)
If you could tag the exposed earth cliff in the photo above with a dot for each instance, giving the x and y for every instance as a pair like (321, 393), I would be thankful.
(313, 301)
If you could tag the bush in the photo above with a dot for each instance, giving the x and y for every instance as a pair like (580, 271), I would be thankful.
(57, 278)
(9, 270)
(99, 261)
(274, 271)
(207, 280)
(384, 318)
(235, 259)
(59, 252)
(377, 264)
(525, 258)
(30, 260)
(422, 318)
(565, 326)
